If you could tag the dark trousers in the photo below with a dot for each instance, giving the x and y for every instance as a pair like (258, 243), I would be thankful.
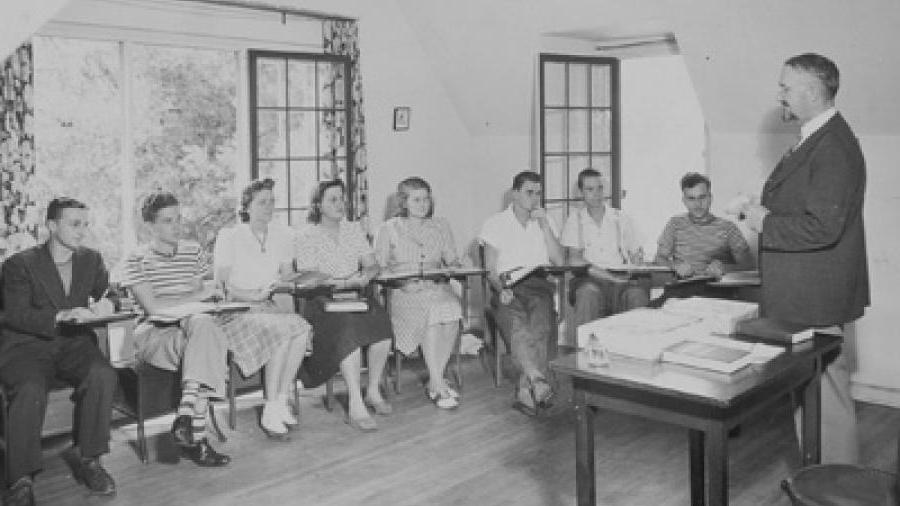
(29, 370)
(528, 322)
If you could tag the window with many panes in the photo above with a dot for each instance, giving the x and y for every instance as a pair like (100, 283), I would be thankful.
(579, 126)
(299, 125)
(116, 120)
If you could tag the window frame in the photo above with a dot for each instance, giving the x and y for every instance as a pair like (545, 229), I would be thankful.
(253, 55)
(615, 125)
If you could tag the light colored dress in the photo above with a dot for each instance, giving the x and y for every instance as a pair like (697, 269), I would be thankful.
(418, 304)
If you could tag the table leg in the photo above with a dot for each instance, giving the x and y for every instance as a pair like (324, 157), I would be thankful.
(717, 466)
(697, 470)
(810, 416)
(584, 450)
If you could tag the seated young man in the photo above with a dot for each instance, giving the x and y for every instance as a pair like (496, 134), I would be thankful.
(46, 288)
(168, 272)
(698, 243)
(600, 235)
(520, 238)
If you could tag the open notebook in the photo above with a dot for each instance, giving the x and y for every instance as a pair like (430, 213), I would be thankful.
(173, 314)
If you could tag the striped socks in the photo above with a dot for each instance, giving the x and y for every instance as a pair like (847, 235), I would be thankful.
(194, 404)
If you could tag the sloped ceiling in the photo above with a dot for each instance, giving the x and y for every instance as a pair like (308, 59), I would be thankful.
(484, 52)
(18, 20)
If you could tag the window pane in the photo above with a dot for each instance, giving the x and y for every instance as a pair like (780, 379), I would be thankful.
(78, 129)
(554, 131)
(303, 133)
(578, 85)
(270, 137)
(270, 82)
(555, 177)
(578, 130)
(184, 131)
(331, 84)
(304, 178)
(277, 171)
(298, 217)
(555, 84)
(557, 212)
(280, 216)
(600, 96)
(301, 83)
(601, 139)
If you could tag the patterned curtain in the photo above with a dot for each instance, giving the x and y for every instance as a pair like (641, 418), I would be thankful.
(20, 221)
(342, 38)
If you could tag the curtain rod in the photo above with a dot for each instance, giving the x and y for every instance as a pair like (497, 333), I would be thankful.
(284, 11)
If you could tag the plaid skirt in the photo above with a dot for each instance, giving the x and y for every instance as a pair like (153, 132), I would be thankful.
(254, 336)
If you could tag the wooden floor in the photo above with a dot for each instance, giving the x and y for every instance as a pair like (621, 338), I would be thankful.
(481, 454)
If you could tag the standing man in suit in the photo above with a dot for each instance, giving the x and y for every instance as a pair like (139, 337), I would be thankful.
(45, 288)
(812, 242)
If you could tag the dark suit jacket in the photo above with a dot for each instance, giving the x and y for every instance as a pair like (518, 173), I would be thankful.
(812, 246)
(33, 293)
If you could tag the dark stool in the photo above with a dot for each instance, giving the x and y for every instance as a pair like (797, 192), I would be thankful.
(841, 485)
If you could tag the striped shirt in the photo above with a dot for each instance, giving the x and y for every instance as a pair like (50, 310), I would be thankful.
(169, 275)
(698, 244)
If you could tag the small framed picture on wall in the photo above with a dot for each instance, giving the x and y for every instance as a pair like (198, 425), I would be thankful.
(401, 118)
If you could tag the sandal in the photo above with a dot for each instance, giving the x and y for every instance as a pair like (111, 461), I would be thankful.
(381, 407)
(541, 392)
(526, 407)
(362, 424)
(443, 400)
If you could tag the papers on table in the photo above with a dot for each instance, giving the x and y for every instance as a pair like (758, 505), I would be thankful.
(675, 329)
(719, 316)
(175, 313)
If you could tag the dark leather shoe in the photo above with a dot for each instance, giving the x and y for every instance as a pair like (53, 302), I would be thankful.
(182, 431)
(92, 475)
(203, 455)
(21, 493)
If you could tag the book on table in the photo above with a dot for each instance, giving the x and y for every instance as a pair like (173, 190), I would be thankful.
(781, 331)
(721, 357)
(346, 302)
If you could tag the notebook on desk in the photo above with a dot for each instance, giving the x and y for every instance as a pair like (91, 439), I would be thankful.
(346, 302)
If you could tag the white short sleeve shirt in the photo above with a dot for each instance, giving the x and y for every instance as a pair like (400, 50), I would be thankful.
(517, 245)
(605, 244)
(254, 263)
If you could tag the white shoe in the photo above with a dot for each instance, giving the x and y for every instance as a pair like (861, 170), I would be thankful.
(287, 417)
(271, 419)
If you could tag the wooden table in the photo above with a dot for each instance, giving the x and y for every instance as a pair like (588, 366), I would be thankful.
(707, 404)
